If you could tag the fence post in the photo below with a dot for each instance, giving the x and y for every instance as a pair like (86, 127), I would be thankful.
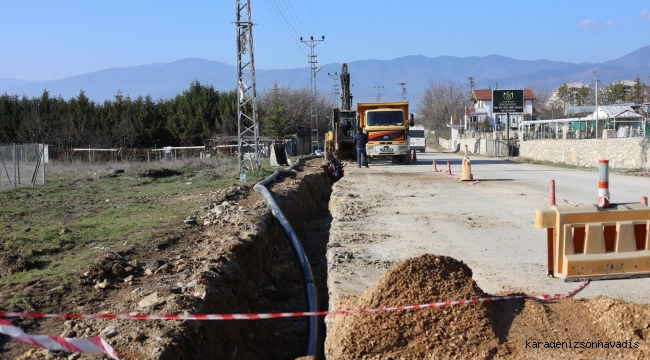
(42, 147)
(14, 154)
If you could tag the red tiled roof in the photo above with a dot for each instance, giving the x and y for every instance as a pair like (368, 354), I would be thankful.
(486, 95)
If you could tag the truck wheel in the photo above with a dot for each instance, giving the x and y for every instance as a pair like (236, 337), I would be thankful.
(422, 150)
(407, 159)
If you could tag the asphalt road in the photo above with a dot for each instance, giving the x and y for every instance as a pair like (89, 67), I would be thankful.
(391, 212)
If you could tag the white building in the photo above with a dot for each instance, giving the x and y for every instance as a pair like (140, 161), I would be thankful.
(482, 109)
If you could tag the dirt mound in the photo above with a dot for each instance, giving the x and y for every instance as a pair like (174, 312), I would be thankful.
(462, 331)
(509, 329)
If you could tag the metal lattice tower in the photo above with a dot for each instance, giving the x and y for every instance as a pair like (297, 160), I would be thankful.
(247, 122)
(403, 85)
(313, 91)
(379, 92)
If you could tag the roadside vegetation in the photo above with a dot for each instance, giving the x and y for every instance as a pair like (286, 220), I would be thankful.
(82, 212)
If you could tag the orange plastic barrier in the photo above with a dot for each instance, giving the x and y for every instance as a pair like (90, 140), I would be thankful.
(588, 242)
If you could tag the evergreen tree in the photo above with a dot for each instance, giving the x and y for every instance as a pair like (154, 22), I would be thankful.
(277, 124)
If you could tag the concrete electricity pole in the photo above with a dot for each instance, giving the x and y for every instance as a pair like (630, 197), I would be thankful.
(247, 124)
(379, 92)
(313, 92)
(596, 85)
(403, 85)
(335, 76)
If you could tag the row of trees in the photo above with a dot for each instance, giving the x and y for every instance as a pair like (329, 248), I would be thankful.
(615, 93)
(197, 113)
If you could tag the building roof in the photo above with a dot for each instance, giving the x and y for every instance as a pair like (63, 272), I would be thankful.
(613, 111)
(486, 95)
(572, 110)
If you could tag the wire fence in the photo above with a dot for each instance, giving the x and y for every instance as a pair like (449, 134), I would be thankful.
(22, 165)
(584, 129)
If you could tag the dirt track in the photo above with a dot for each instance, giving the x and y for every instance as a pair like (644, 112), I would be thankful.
(386, 214)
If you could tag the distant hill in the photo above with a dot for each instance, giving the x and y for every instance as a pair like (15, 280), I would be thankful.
(8, 82)
(167, 80)
(583, 73)
(638, 58)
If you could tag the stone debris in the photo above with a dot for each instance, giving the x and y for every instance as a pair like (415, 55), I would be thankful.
(149, 300)
(108, 332)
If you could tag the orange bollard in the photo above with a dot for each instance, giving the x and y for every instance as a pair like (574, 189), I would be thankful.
(644, 201)
(552, 194)
(415, 158)
(435, 168)
(603, 183)
(448, 168)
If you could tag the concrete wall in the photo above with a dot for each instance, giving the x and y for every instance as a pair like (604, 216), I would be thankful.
(622, 153)
(483, 144)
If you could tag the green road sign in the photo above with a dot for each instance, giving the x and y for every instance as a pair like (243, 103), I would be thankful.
(507, 101)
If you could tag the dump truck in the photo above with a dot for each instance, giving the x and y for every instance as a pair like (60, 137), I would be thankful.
(387, 126)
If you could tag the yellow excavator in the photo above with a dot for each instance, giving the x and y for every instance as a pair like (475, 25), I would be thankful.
(343, 124)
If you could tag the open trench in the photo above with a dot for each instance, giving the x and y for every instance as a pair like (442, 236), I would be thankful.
(256, 272)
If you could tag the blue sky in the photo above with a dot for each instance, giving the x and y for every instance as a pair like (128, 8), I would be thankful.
(44, 40)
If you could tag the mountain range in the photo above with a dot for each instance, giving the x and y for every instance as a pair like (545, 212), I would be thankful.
(369, 77)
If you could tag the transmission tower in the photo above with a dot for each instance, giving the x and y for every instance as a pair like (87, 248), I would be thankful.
(379, 92)
(247, 122)
(403, 85)
(313, 92)
(335, 76)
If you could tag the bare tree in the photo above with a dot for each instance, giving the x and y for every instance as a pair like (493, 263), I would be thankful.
(297, 107)
(441, 101)
(546, 106)
(32, 126)
(67, 133)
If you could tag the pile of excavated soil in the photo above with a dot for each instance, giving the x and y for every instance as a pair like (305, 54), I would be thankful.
(444, 332)
(509, 329)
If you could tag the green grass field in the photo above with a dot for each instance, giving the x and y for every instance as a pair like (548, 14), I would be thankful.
(102, 213)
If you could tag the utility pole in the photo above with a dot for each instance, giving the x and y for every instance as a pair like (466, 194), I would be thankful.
(335, 76)
(313, 91)
(247, 124)
(596, 85)
(379, 92)
(403, 85)
(471, 91)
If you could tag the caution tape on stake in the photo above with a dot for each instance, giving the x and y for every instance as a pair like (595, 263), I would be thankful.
(97, 344)
(88, 345)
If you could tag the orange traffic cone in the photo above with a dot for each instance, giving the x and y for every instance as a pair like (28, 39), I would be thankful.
(415, 158)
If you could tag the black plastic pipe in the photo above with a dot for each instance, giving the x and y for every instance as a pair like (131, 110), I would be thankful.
(299, 253)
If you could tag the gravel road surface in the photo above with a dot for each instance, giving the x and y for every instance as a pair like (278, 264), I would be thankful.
(391, 212)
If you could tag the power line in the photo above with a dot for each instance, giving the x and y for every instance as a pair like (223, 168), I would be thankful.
(275, 17)
(318, 27)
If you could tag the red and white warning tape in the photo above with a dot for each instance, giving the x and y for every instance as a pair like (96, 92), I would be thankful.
(89, 345)
(96, 344)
